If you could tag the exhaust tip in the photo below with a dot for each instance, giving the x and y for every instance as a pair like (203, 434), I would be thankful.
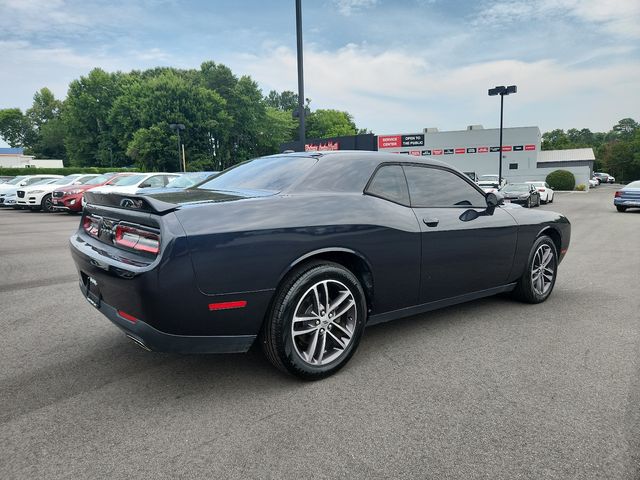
(138, 342)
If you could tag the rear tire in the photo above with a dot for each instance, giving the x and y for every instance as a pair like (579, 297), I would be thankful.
(539, 276)
(620, 208)
(316, 321)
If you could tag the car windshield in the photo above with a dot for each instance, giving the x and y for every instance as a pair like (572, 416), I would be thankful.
(84, 180)
(45, 181)
(66, 180)
(515, 187)
(16, 180)
(128, 180)
(635, 184)
(188, 179)
(272, 174)
(99, 179)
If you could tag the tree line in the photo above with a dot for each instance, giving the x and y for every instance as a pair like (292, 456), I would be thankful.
(123, 119)
(617, 151)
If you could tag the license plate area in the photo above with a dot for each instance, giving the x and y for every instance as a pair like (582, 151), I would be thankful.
(92, 290)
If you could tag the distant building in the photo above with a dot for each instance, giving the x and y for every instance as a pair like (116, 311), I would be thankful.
(567, 158)
(15, 158)
(474, 151)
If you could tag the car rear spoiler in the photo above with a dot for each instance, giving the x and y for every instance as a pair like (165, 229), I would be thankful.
(130, 202)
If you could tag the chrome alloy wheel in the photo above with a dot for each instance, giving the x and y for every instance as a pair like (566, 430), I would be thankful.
(542, 269)
(324, 322)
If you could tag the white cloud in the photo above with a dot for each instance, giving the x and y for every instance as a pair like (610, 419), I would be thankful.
(396, 91)
(616, 17)
(347, 7)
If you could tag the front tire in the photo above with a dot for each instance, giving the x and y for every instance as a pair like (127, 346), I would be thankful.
(539, 277)
(316, 321)
(620, 208)
(47, 204)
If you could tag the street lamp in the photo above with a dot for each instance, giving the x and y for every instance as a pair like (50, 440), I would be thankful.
(300, 112)
(502, 91)
(177, 127)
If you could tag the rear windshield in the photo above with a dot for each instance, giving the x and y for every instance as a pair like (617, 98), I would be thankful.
(271, 174)
(635, 184)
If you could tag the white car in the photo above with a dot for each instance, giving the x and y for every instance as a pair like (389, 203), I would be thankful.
(546, 193)
(593, 182)
(136, 183)
(489, 183)
(38, 197)
(16, 183)
(9, 198)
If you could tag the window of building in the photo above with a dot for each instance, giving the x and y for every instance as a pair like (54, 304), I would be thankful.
(513, 166)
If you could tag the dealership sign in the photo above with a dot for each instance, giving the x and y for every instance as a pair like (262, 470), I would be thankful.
(321, 147)
(397, 141)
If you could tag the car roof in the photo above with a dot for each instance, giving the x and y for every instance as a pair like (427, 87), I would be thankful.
(350, 170)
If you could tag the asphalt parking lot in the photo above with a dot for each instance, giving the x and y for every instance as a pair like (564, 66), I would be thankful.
(489, 389)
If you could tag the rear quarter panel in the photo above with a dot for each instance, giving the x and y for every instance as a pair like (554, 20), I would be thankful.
(250, 245)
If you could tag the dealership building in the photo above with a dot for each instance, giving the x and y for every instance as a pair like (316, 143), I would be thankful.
(15, 158)
(473, 150)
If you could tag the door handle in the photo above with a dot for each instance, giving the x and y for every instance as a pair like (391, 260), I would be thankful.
(431, 222)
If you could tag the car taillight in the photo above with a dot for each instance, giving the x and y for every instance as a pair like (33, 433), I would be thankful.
(618, 193)
(541, 189)
(91, 225)
(136, 239)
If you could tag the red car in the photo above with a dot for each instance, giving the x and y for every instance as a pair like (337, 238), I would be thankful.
(69, 199)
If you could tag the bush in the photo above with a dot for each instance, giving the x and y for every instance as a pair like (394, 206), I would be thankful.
(60, 171)
(581, 188)
(561, 180)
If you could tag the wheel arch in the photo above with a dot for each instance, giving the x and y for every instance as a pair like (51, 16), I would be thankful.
(554, 234)
(352, 260)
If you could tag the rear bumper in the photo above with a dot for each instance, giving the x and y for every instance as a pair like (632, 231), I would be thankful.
(626, 202)
(152, 339)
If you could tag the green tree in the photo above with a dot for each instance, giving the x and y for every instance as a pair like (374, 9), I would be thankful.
(286, 101)
(329, 123)
(159, 101)
(625, 128)
(555, 140)
(154, 149)
(48, 132)
(278, 127)
(89, 139)
(14, 127)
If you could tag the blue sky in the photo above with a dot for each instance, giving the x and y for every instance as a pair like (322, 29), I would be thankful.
(397, 66)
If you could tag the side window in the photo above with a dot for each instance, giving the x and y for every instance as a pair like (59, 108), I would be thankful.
(433, 187)
(155, 181)
(389, 183)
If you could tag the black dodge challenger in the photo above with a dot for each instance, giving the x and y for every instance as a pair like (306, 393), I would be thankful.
(302, 250)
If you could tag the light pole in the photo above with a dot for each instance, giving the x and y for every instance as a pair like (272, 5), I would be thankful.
(300, 112)
(502, 91)
(177, 127)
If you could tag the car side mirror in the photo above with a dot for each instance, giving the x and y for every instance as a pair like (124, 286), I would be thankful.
(22, 184)
(145, 185)
(494, 199)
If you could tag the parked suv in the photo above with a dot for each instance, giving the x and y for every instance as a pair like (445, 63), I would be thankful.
(69, 198)
(38, 197)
